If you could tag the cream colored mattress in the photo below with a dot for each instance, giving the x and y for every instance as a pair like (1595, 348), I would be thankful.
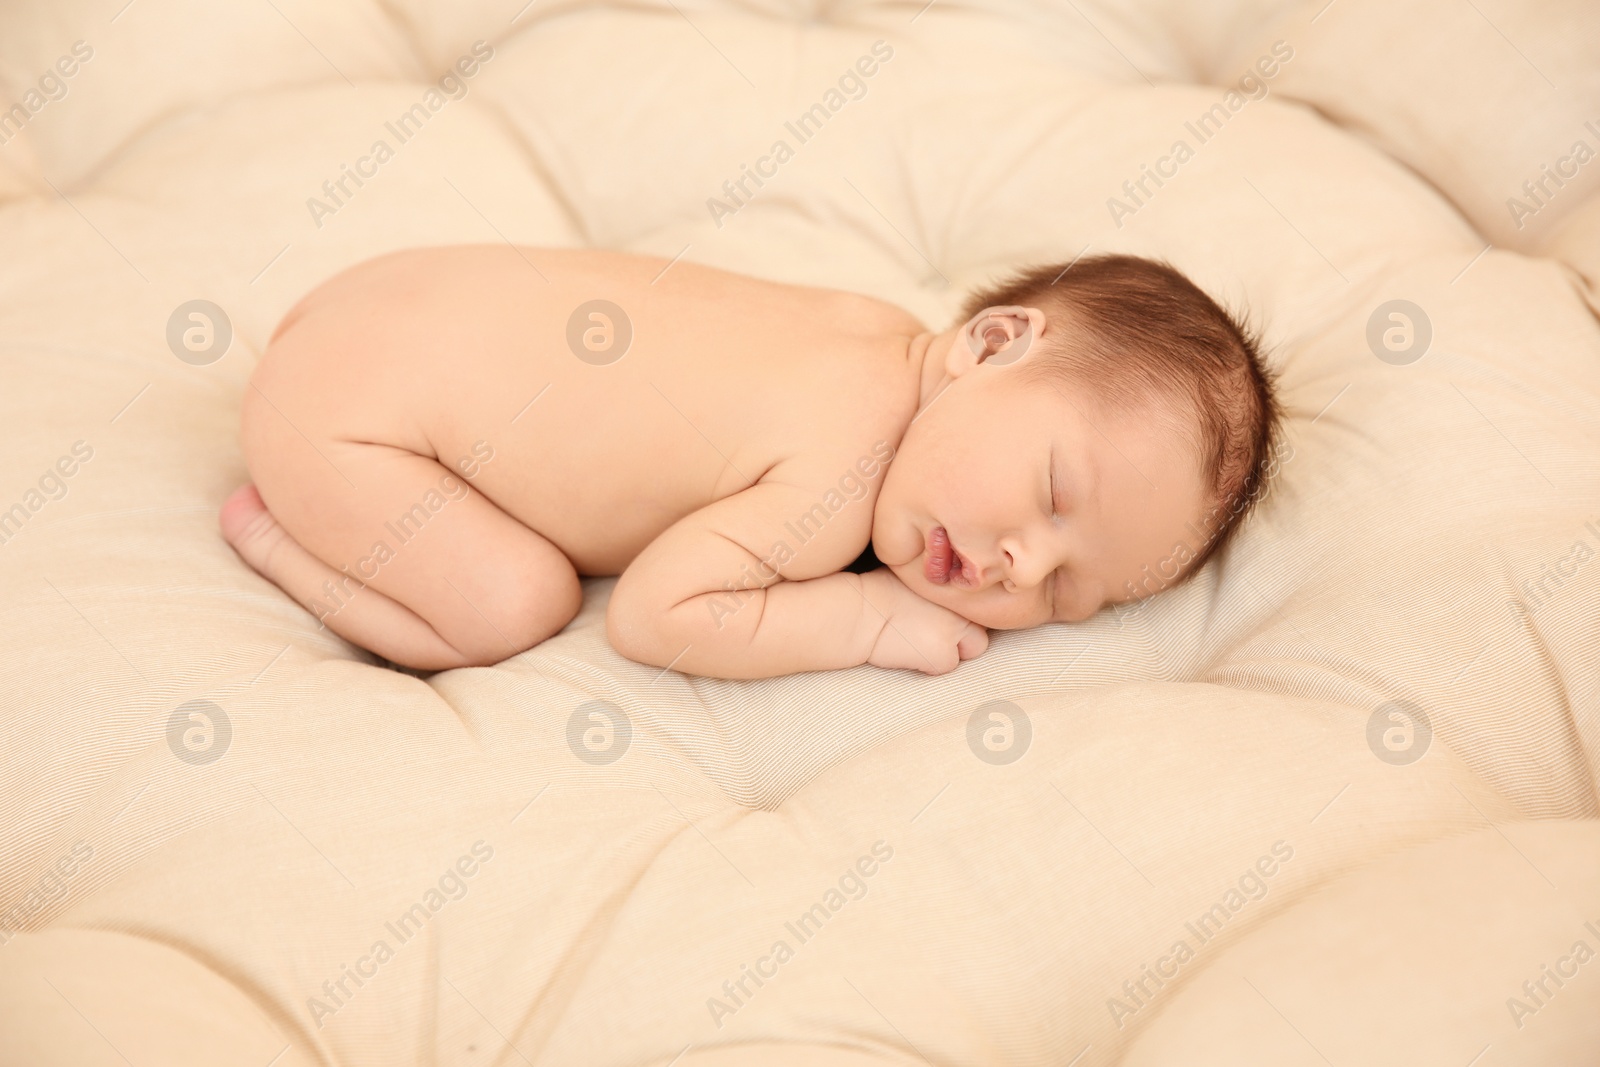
(1333, 802)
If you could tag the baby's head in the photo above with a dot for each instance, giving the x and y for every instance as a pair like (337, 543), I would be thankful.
(1087, 435)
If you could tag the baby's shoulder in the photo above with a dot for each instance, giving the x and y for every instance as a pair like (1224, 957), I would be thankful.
(864, 363)
(845, 423)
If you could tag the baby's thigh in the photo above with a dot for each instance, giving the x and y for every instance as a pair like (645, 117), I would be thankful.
(413, 530)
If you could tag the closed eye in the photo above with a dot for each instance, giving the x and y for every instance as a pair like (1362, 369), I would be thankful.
(1055, 508)
(1059, 573)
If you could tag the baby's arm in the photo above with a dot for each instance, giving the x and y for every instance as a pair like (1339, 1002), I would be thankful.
(672, 607)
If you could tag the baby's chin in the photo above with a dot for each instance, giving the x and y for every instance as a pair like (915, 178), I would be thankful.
(901, 554)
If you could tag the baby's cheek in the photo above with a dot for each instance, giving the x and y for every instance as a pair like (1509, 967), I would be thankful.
(1074, 606)
(1014, 611)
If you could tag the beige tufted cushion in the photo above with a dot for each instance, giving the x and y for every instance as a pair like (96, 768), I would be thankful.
(1430, 542)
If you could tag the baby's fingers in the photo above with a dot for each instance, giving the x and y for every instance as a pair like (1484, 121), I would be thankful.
(974, 642)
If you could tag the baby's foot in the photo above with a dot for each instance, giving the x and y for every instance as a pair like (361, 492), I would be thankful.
(249, 527)
(360, 615)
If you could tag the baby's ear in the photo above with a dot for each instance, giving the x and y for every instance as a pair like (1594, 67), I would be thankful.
(996, 336)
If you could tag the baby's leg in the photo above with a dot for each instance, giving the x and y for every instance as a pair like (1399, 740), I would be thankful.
(403, 558)
(375, 622)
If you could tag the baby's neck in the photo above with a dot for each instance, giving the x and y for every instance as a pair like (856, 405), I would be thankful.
(925, 358)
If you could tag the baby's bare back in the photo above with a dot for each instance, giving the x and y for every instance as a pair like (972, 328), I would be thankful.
(616, 393)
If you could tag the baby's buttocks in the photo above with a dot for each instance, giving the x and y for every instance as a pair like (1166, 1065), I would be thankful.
(597, 397)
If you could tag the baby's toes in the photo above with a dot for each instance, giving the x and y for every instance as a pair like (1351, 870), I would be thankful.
(249, 527)
(243, 507)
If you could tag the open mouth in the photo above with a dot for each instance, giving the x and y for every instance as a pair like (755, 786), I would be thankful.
(942, 564)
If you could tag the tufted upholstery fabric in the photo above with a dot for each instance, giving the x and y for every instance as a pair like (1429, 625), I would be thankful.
(212, 813)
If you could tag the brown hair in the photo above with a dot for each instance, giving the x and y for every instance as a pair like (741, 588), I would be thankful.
(1139, 331)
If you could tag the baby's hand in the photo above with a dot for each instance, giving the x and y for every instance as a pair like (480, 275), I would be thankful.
(917, 634)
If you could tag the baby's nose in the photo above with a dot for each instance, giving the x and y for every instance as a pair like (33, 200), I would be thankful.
(1024, 570)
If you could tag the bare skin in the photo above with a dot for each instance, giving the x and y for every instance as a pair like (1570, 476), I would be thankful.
(435, 465)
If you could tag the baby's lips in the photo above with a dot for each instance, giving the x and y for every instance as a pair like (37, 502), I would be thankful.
(936, 564)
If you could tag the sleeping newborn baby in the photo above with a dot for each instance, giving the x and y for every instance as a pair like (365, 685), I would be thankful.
(443, 440)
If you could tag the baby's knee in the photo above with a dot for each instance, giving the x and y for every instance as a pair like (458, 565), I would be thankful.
(527, 605)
